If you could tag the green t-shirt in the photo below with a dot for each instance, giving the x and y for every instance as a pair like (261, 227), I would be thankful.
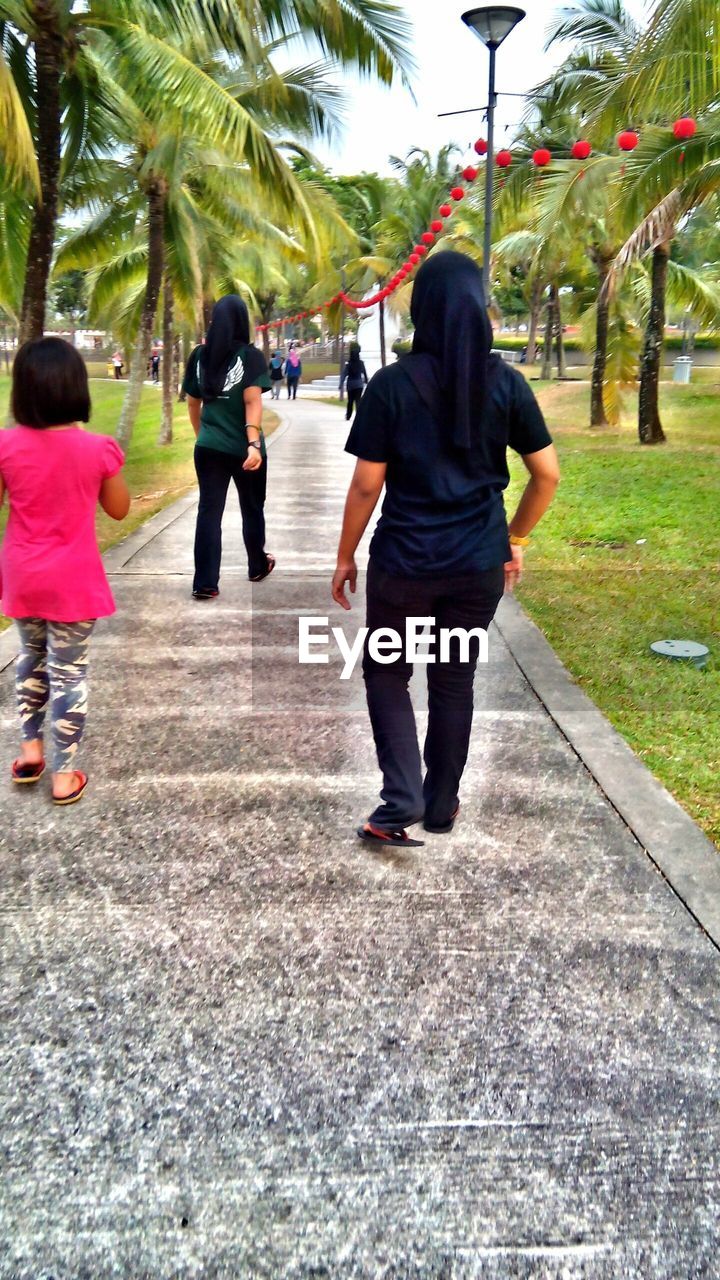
(222, 421)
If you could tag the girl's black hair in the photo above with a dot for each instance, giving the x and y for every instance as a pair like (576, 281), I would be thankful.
(49, 384)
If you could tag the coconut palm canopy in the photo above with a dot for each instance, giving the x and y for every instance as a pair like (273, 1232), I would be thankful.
(172, 87)
(165, 132)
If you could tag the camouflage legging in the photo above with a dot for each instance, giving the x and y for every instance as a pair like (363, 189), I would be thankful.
(52, 665)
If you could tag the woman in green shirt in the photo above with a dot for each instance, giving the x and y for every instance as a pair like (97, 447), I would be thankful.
(224, 382)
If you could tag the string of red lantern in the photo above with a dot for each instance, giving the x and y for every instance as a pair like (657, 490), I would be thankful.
(427, 240)
(683, 129)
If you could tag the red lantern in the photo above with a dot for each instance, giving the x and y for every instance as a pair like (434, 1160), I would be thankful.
(414, 259)
(421, 249)
(580, 150)
(445, 210)
(427, 237)
(504, 159)
(481, 147)
(457, 193)
(628, 140)
(685, 128)
(470, 174)
(541, 157)
(436, 226)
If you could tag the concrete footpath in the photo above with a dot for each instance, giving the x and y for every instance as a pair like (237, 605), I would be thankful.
(236, 1043)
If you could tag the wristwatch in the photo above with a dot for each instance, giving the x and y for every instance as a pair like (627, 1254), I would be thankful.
(254, 444)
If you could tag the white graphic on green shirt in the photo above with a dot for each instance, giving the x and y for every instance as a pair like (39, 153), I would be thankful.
(234, 376)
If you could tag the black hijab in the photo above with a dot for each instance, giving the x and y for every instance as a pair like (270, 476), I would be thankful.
(452, 343)
(229, 329)
(354, 361)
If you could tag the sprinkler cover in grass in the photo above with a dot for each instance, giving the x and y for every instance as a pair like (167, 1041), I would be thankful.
(682, 651)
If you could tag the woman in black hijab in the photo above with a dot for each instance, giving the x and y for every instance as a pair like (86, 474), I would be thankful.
(224, 382)
(355, 374)
(434, 429)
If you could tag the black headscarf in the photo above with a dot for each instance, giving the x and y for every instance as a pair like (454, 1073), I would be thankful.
(229, 329)
(452, 343)
(354, 361)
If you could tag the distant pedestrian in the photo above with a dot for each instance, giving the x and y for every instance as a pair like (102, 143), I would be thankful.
(355, 375)
(293, 373)
(117, 363)
(52, 580)
(277, 368)
(224, 382)
(434, 429)
(155, 366)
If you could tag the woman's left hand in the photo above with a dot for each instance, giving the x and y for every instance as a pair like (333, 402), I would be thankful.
(514, 569)
(345, 573)
(254, 460)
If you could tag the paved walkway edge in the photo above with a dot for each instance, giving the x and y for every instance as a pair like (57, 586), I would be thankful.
(680, 850)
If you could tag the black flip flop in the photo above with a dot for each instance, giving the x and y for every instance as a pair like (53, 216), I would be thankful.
(442, 828)
(270, 565)
(398, 839)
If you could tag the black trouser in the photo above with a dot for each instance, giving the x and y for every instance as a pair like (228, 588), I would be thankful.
(215, 470)
(354, 396)
(466, 601)
(292, 388)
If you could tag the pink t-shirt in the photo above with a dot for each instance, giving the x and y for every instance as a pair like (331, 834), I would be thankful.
(50, 565)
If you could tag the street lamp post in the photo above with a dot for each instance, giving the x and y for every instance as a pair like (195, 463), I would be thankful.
(491, 25)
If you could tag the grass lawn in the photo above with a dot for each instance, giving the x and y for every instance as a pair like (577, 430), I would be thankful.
(630, 554)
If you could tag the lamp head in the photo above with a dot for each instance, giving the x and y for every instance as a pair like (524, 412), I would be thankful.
(493, 23)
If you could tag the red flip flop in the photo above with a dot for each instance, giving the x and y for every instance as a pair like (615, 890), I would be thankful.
(79, 791)
(23, 772)
(398, 839)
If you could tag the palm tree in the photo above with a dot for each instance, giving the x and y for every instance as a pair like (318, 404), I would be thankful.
(656, 167)
(64, 64)
(622, 71)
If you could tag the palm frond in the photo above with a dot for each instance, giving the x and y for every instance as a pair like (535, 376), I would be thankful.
(16, 140)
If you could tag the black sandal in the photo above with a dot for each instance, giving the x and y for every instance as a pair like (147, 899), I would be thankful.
(205, 593)
(397, 839)
(442, 828)
(269, 566)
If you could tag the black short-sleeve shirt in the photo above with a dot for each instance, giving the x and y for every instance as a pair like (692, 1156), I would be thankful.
(443, 511)
(222, 420)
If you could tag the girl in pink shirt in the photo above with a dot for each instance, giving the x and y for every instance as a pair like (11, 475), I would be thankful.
(52, 580)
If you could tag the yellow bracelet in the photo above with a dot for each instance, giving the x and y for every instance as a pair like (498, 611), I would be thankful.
(517, 541)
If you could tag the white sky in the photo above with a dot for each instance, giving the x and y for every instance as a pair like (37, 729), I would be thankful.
(452, 75)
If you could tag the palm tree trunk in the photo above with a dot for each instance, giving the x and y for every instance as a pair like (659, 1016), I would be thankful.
(546, 369)
(649, 426)
(169, 379)
(535, 309)
(559, 340)
(179, 365)
(598, 416)
(156, 194)
(49, 57)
